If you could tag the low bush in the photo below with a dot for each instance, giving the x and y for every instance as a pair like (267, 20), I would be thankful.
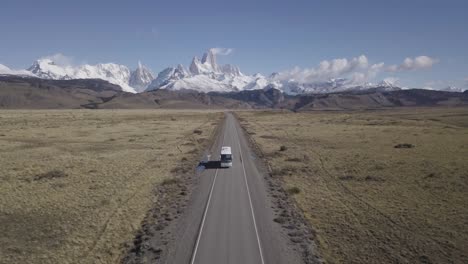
(293, 190)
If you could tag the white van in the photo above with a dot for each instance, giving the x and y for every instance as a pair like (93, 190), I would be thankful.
(226, 157)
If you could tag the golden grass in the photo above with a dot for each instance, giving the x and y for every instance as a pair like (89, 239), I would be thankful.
(76, 184)
(368, 201)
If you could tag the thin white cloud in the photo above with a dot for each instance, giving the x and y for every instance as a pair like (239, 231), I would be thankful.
(466, 82)
(411, 64)
(222, 51)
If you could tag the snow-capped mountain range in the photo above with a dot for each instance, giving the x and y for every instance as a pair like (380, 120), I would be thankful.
(130, 81)
(203, 75)
(207, 76)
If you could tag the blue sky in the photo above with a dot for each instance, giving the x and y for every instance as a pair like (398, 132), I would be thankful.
(266, 36)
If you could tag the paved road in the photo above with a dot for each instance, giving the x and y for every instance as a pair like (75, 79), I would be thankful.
(236, 224)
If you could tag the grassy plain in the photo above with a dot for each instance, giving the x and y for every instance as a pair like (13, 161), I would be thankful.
(76, 184)
(368, 200)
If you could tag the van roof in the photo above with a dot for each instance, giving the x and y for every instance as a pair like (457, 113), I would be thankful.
(225, 150)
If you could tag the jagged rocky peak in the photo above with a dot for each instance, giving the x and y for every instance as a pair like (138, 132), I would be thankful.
(167, 76)
(209, 59)
(195, 66)
(182, 71)
(208, 66)
(141, 78)
(274, 75)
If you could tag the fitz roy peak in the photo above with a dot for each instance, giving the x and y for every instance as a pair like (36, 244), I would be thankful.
(205, 75)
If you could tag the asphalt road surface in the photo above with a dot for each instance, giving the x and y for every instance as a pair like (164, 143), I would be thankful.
(236, 225)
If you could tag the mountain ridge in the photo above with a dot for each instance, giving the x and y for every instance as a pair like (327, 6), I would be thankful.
(203, 75)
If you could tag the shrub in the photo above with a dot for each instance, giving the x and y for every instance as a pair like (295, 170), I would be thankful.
(283, 148)
(346, 177)
(293, 159)
(404, 145)
(50, 175)
(170, 181)
(293, 190)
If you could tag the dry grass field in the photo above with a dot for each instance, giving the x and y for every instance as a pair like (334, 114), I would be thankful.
(378, 187)
(76, 184)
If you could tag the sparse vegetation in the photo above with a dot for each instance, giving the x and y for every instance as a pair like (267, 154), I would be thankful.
(294, 159)
(404, 145)
(50, 175)
(76, 184)
(170, 181)
(293, 190)
(368, 200)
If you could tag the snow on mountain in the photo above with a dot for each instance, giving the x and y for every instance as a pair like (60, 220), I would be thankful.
(4, 70)
(230, 70)
(48, 69)
(111, 72)
(201, 83)
(168, 75)
(333, 85)
(204, 75)
(294, 87)
(198, 67)
(114, 73)
(453, 89)
(209, 59)
(140, 78)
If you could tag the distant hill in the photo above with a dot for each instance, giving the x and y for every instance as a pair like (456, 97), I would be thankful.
(21, 92)
(34, 93)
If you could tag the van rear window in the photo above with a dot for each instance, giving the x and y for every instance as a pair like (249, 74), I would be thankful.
(226, 157)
